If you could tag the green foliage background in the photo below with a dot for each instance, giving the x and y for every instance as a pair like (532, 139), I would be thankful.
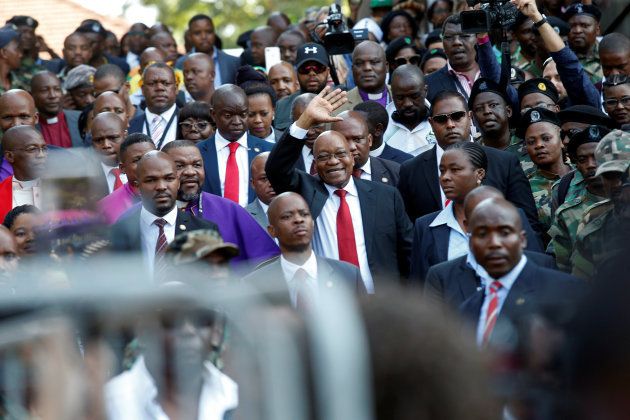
(244, 14)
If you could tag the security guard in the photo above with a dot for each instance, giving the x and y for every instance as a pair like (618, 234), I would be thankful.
(583, 21)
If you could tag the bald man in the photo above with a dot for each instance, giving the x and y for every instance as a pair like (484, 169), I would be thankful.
(60, 127)
(150, 227)
(298, 270)
(514, 287)
(108, 132)
(16, 108)
(283, 79)
(199, 77)
(111, 102)
(357, 221)
(354, 128)
(228, 154)
(261, 38)
(369, 70)
(264, 191)
(25, 149)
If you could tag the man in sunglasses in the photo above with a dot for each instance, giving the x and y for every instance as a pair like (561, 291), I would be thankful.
(419, 177)
(312, 73)
(369, 70)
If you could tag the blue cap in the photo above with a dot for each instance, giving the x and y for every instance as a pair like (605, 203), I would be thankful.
(7, 34)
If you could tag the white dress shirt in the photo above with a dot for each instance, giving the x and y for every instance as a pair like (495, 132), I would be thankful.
(506, 284)
(133, 395)
(289, 269)
(415, 141)
(264, 206)
(438, 153)
(26, 192)
(366, 170)
(457, 240)
(271, 138)
(307, 156)
(171, 134)
(378, 151)
(242, 160)
(111, 179)
(149, 233)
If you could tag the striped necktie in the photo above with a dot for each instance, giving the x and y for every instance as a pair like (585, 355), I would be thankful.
(157, 129)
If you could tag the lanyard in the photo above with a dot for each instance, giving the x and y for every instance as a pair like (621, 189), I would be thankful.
(168, 125)
(460, 88)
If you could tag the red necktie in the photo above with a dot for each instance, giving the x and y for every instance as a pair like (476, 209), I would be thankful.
(357, 173)
(231, 175)
(160, 246)
(345, 231)
(118, 182)
(313, 170)
(447, 202)
(493, 311)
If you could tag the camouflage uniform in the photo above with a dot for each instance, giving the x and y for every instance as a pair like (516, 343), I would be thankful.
(541, 182)
(525, 64)
(27, 70)
(591, 64)
(517, 147)
(567, 219)
(17, 82)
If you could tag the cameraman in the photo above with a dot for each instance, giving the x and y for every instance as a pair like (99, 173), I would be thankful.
(582, 91)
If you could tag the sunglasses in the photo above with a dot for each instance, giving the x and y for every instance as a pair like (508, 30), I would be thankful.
(453, 116)
(317, 68)
(401, 61)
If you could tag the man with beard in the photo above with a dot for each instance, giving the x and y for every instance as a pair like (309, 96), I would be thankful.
(25, 149)
(58, 126)
(313, 72)
(408, 129)
(584, 191)
(525, 56)
(149, 228)
(603, 231)
(234, 222)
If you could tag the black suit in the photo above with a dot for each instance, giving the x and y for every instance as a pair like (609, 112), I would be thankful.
(385, 171)
(439, 81)
(386, 227)
(269, 278)
(126, 235)
(393, 154)
(454, 281)
(420, 186)
(534, 290)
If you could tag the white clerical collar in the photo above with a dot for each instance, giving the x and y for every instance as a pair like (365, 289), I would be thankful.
(375, 96)
(53, 120)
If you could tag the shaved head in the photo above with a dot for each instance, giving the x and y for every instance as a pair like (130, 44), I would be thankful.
(17, 107)
(479, 194)
(14, 136)
(151, 156)
(108, 119)
(409, 74)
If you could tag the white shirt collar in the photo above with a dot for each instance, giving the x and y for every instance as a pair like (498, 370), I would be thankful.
(350, 188)
(264, 206)
(148, 218)
(221, 142)
(271, 138)
(447, 217)
(367, 168)
(378, 151)
(166, 114)
(508, 280)
(289, 268)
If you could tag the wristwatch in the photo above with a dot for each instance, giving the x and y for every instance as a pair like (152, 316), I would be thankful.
(541, 22)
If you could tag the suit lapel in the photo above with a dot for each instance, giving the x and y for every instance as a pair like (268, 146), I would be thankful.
(431, 176)
(368, 201)
(518, 295)
(379, 172)
(467, 279)
(212, 183)
(252, 152)
(441, 236)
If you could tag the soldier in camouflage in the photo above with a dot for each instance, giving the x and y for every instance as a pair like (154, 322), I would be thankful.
(10, 60)
(524, 57)
(31, 63)
(605, 225)
(581, 189)
(541, 131)
(583, 20)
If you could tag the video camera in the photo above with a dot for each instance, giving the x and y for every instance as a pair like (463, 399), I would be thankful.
(493, 15)
(338, 38)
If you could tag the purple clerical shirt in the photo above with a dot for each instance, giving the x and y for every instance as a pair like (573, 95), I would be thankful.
(6, 170)
(115, 204)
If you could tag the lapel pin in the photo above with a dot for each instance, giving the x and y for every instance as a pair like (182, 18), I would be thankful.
(182, 227)
(385, 180)
(479, 288)
(256, 149)
(520, 301)
(329, 284)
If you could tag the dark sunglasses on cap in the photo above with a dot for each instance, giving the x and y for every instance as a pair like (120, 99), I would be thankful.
(453, 116)
(414, 59)
(317, 68)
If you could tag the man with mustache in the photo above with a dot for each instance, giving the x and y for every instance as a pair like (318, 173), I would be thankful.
(587, 190)
(234, 222)
(151, 227)
(408, 129)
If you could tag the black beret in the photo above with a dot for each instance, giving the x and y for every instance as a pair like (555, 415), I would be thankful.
(582, 9)
(538, 85)
(397, 45)
(560, 26)
(585, 114)
(536, 115)
(517, 75)
(433, 36)
(24, 21)
(591, 134)
(433, 52)
(486, 85)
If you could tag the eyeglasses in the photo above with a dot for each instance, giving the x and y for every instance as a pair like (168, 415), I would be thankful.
(32, 150)
(326, 158)
(317, 68)
(569, 133)
(613, 102)
(414, 59)
(453, 116)
(197, 125)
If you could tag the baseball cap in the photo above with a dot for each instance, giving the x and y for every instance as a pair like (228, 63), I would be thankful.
(613, 153)
(7, 34)
(312, 52)
(195, 245)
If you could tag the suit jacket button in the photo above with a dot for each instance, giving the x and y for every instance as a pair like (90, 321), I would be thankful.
(182, 227)
(256, 149)
(385, 180)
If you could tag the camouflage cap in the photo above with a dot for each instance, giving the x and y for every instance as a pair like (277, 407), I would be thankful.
(195, 245)
(613, 153)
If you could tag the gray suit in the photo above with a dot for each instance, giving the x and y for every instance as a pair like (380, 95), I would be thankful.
(255, 209)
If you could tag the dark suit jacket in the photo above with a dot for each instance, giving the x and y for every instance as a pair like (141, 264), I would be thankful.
(420, 186)
(454, 281)
(125, 233)
(386, 227)
(269, 278)
(136, 124)
(227, 66)
(439, 81)
(535, 289)
(385, 171)
(282, 119)
(208, 149)
(430, 244)
(393, 154)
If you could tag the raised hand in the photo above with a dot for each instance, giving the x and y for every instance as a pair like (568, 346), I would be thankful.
(320, 108)
(528, 8)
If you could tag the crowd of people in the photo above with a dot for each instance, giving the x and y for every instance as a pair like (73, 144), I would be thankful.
(497, 191)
